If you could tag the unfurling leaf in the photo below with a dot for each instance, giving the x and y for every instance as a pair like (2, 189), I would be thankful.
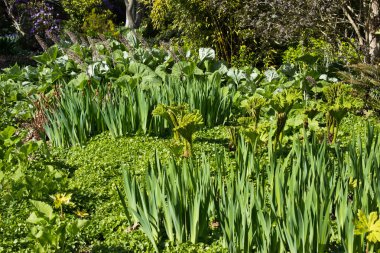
(370, 225)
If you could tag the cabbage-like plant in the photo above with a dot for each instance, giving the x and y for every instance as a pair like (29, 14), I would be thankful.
(339, 103)
(282, 102)
(252, 106)
(183, 122)
(369, 226)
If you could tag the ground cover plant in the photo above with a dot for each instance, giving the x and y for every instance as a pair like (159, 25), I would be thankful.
(109, 144)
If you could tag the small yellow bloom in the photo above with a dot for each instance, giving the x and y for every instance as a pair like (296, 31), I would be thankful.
(61, 199)
(353, 182)
(81, 214)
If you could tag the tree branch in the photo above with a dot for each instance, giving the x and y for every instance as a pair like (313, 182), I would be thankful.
(16, 24)
(354, 25)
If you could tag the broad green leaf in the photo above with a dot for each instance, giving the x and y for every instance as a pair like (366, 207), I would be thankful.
(7, 133)
(271, 74)
(29, 147)
(34, 219)
(206, 54)
(79, 82)
(236, 75)
(43, 208)
(186, 68)
(47, 57)
(370, 225)
(140, 69)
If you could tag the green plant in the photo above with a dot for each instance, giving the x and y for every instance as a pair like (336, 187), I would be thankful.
(339, 103)
(50, 231)
(319, 52)
(369, 226)
(177, 200)
(95, 23)
(282, 102)
(253, 105)
(14, 102)
(9, 45)
(184, 123)
(297, 202)
(364, 80)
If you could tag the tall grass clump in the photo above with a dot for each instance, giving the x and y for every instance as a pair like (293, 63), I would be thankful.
(80, 111)
(315, 198)
(176, 201)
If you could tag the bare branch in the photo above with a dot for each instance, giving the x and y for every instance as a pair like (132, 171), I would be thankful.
(354, 25)
(9, 6)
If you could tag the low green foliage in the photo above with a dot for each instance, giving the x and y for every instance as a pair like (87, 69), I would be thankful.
(320, 52)
(51, 232)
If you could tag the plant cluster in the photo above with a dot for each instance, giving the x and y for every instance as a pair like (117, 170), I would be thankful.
(292, 179)
(306, 200)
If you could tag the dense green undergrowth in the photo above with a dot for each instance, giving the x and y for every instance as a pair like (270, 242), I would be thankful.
(91, 174)
(113, 146)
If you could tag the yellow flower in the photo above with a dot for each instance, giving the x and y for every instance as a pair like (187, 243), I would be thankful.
(61, 199)
(353, 182)
(81, 214)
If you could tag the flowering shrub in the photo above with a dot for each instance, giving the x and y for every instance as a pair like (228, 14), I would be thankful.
(34, 18)
(43, 17)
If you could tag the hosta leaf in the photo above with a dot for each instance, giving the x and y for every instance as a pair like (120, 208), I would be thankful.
(206, 54)
(271, 74)
(140, 69)
(47, 57)
(161, 71)
(236, 75)
(186, 68)
(79, 82)
(34, 219)
(43, 208)
(152, 80)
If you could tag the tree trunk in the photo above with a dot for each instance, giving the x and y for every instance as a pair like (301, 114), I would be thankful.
(15, 22)
(130, 13)
(373, 45)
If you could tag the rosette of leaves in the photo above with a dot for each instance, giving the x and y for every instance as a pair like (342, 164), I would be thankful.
(251, 128)
(183, 122)
(282, 103)
(306, 118)
(257, 135)
(252, 106)
(339, 103)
